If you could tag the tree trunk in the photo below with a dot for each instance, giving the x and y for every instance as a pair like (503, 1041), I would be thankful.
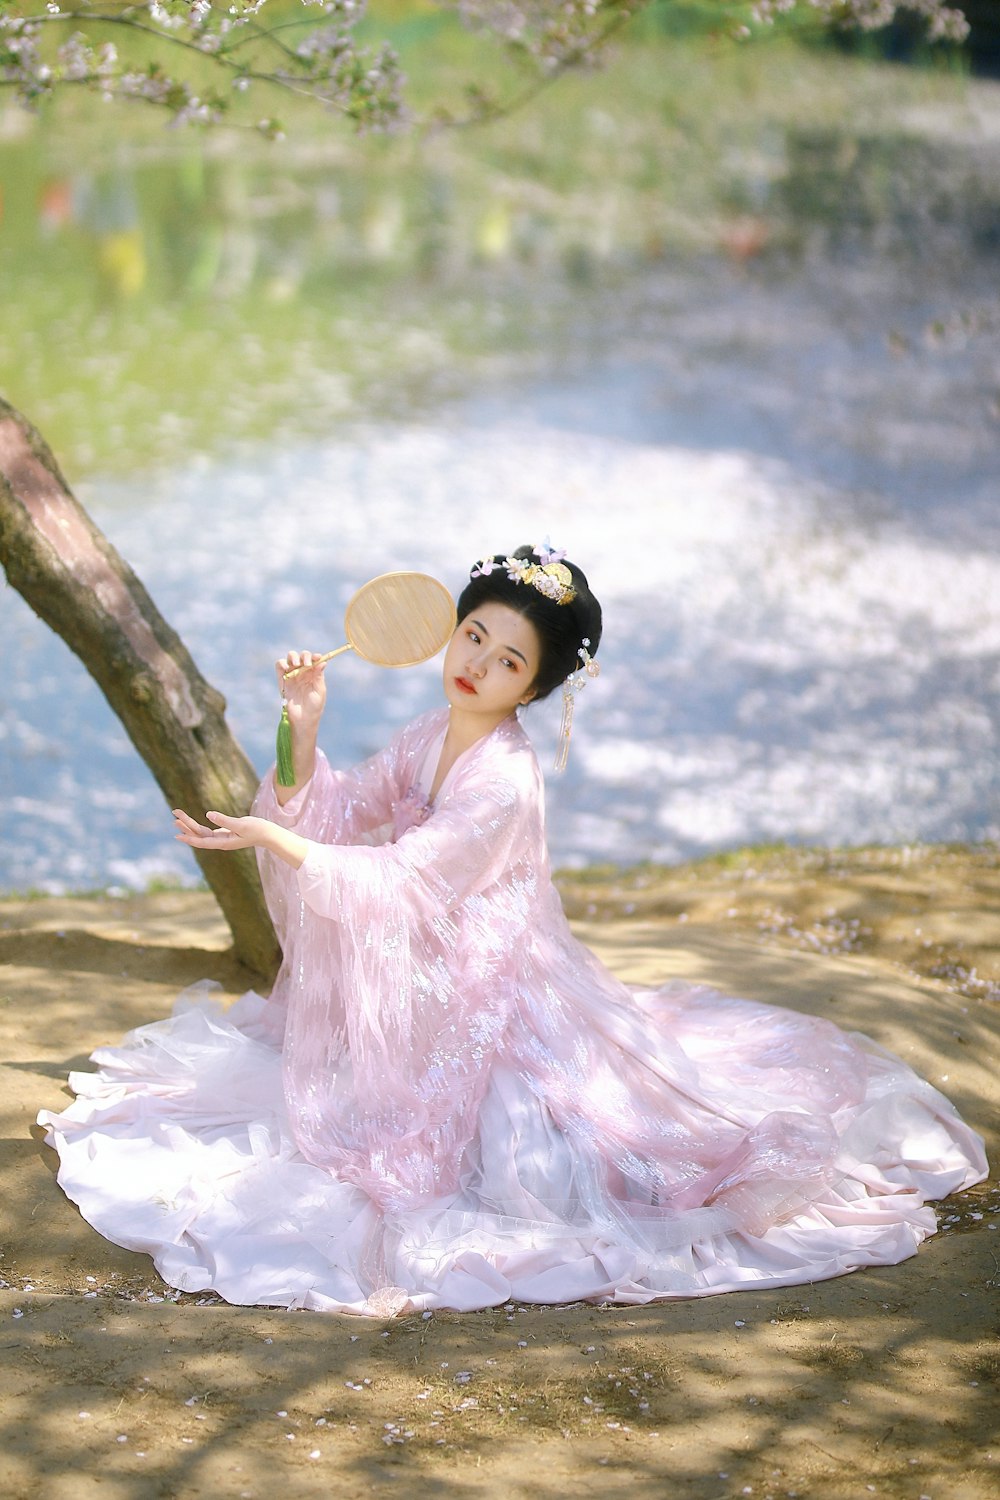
(76, 582)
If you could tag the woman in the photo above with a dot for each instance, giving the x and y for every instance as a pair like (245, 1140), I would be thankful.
(447, 1101)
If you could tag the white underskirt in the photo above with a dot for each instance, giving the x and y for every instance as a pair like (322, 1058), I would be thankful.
(180, 1147)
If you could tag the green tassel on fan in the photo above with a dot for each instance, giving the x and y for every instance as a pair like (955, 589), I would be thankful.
(283, 750)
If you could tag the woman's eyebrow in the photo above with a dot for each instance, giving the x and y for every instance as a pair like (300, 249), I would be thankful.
(512, 649)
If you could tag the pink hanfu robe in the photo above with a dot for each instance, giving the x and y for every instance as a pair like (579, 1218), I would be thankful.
(448, 1102)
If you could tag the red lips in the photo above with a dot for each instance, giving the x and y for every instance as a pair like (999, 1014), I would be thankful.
(464, 685)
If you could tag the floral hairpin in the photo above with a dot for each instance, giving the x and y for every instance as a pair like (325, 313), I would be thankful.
(548, 554)
(550, 577)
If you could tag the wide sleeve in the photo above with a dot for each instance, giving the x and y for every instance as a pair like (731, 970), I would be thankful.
(384, 1072)
(463, 848)
(338, 807)
(345, 807)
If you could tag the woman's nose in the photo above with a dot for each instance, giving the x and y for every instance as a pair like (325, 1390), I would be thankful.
(477, 665)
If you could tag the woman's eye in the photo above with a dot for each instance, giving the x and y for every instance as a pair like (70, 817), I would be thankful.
(508, 663)
(473, 637)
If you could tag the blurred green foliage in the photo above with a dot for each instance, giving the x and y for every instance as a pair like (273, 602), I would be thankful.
(169, 293)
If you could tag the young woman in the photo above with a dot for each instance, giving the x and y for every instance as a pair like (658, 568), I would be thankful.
(447, 1101)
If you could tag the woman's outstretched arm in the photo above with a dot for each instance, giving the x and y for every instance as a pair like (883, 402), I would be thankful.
(241, 833)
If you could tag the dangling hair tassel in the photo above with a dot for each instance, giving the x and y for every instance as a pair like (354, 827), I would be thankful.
(572, 685)
(566, 727)
(283, 750)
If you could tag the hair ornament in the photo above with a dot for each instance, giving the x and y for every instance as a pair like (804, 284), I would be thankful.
(573, 684)
(548, 554)
(550, 576)
(592, 667)
(553, 579)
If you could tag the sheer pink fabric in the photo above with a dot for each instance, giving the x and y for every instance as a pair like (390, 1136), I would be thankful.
(448, 1101)
(398, 996)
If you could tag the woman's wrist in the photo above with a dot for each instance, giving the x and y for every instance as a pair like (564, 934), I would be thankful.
(290, 847)
(305, 721)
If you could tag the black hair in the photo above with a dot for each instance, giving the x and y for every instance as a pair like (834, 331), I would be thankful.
(561, 628)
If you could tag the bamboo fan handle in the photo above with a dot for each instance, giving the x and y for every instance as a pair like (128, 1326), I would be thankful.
(318, 661)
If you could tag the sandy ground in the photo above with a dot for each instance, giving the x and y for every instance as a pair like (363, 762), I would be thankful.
(883, 1382)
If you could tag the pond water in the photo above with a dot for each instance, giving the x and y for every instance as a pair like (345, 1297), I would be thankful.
(785, 488)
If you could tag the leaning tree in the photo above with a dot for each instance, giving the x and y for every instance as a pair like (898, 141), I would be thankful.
(73, 578)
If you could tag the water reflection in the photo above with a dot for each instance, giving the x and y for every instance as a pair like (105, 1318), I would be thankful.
(329, 279)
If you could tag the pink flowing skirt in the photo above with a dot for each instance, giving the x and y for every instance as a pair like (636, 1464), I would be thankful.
(179, 1146)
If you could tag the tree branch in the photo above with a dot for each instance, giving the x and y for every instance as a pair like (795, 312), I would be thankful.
(550, 37)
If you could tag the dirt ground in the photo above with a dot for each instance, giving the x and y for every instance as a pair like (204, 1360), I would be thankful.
(883, 1382)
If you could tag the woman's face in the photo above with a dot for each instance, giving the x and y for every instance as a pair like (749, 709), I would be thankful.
(491, 662)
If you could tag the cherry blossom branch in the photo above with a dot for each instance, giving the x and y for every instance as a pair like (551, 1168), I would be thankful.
(329, 66)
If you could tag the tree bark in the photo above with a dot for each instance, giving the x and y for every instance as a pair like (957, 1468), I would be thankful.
(77, 583)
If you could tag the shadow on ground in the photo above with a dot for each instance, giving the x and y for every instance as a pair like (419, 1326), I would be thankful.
(881, 1382)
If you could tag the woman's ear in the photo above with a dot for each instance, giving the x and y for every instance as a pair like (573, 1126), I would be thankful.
(527, 698)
